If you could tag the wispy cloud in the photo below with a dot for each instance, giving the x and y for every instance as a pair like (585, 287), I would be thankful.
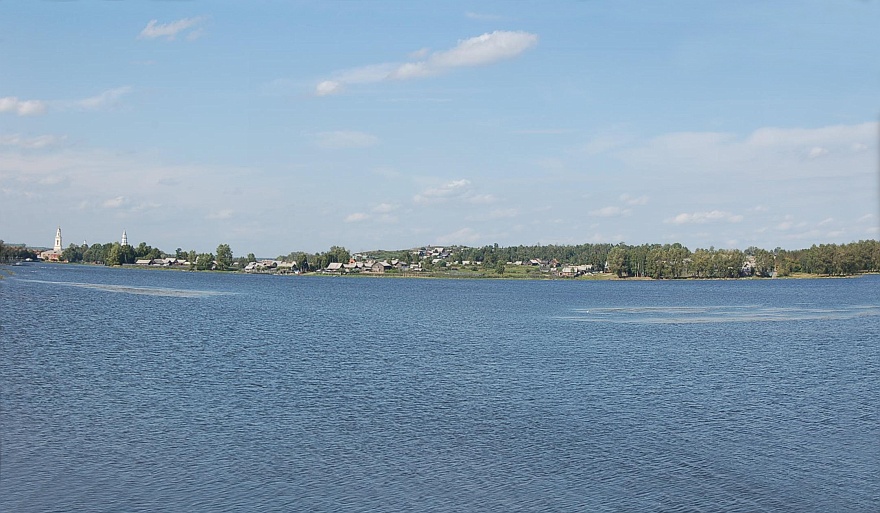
(629, 200)
(464, 235)
(610, 212)
(477, 51)
(116, 202)
(482, 16)
(705, 217)
(455, 188)
(356, 217)
(544, 131)
(345, 139)
(503, 213)
(816, 152)
(31, 143)
(109, 97)
(169, 31)
(384, 208)
(35, 107)
(221, 214)
(381, 213)
(22, 107)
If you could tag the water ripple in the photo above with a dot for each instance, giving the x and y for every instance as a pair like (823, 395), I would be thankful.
(716, 314)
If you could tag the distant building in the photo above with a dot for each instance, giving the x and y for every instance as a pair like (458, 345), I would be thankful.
(54, 254)
(124, 241)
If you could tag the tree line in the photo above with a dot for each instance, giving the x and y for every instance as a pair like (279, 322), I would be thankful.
(15, 253)
(646, 260)
(677, 261)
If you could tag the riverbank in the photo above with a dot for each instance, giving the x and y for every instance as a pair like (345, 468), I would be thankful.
(510, 273)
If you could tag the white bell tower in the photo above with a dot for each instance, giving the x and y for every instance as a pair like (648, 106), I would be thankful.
(57, 247)
(124, 241)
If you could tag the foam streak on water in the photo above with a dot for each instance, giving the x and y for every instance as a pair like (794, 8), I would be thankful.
(128, 289)
(720, 313)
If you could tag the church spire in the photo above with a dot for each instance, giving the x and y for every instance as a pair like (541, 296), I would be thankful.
(58, 247)
(124, 239)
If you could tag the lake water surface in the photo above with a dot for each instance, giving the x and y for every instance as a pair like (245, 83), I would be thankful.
(136, 390)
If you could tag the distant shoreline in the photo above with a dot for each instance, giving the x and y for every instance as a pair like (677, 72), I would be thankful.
(455, 275)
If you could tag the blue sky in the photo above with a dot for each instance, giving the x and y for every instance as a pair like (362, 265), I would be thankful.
(286, 126)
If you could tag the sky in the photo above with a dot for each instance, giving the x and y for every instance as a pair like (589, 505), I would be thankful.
(294, 126)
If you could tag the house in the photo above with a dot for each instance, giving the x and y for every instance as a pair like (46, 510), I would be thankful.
(285, 267)
(143, 261)
(569, 271)
(334, 267)
(380, 267)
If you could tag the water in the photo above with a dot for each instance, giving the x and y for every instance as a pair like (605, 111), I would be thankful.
(136, 390)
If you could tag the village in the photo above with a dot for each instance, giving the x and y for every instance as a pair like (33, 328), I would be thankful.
(600, 261)
(423, 260)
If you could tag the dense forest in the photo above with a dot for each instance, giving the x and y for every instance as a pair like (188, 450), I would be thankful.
(677, 261)
(646, 260)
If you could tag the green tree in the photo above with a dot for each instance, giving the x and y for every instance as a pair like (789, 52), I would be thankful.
(126, 254)
(73, 253)
(338, 254)
(113, 256)
(224, 257)
(205, 261)
(94, 254)
(617, 261)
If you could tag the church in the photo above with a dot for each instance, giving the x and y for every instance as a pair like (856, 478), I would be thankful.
(54, 254)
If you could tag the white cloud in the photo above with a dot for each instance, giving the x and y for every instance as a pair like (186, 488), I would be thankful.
(51, 180)
(221, 214)
(328, 87)
(705, 217)
(816, 151)
(464, 235)
(543, 131)
(765, 153)
(826, 221)
(104, 99)
(481, 199)
(419, 54)
(116, 202)
(22, 107)
(345, 139)
(170, 30)
(384, 208)
(503, 213)
(785, 225)
(455, 188)
(610, 212)
(482, 17)
(35, 107)
(32, 143)
(476, 51)
(484, 49)
(629, 200)
(356, 217)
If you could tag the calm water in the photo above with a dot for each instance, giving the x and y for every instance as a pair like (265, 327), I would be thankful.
(133, 390)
